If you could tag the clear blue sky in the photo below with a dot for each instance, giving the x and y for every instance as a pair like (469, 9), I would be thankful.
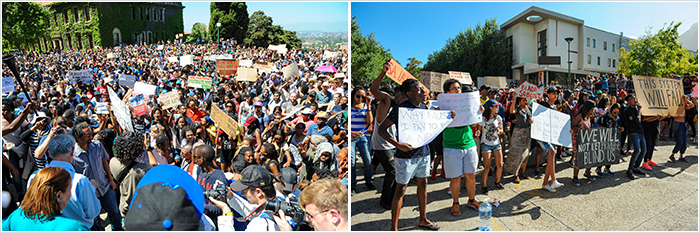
(416, 29)
(297, 16)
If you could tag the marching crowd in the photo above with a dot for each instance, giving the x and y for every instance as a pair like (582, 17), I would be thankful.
(66, 160)
(504, 135)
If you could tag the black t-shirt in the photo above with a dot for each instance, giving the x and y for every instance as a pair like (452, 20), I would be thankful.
(607, 121)
(206, 181)
(650, 127)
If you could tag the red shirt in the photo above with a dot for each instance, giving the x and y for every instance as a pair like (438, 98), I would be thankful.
(196, 115)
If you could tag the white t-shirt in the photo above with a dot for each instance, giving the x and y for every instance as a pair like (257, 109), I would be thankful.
(489, 132)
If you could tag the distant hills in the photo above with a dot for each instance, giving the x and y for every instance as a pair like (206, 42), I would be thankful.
(689, 39)
(317, 27)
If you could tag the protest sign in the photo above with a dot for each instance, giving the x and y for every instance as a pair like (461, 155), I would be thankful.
(225, 122)
(496, 81)
(597, 147)
(145, 89)
(121, 111)
(662, 96)
(245, 63)
(695, 91)
(399, 74)
(226, 67)
(550, 126)
(279, 48)
(209, 58)
(328, 54)
(291, 70)
(199, 82)
(76, 76)
(111, 55)
(172, 59)
(529, 90)
(127, 80)
(462, 77)
(247, 74)
(160, 47)
(433, 80)
(186, 60)
(8, 84)
(169, 100)
(467, 107)
(264, 66)
(419, 127)
(101, 108)
(139, 105)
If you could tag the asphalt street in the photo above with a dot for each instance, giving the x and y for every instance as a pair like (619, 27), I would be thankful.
(666, 199)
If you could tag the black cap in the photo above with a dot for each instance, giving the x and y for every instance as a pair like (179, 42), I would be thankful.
(158, 207)
(289, 176)
(484, 87)
(552, 89)
(252, 176)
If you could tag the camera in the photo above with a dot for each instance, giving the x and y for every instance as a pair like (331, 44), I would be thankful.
(290, 209)
(219, 193)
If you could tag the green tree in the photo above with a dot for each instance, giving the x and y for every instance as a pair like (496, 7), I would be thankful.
(23, 24)
(233, 17)
(413, 67)
(658, 54)
(199, 31)
(261, 32)
(368, 56)
(480, 51)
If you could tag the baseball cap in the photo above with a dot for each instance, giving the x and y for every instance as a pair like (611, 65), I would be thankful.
(258, 104)
(40, 114)
(322, 114)
(307, 111)
(622, 92)
(490, 103)
(249, 121)
(166, 198)
(483, 87)
(289, 177)
(253, 176)
(599, 92)
(326, 84)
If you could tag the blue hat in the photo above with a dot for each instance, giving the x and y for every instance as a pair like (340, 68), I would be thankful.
(490, 103)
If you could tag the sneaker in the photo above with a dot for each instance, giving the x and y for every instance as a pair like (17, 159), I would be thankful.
(651, 163)
(455, 209)
(484, 190)
(588, 176)
(442, 173)
(656, 149)
(549, 188)
(473, 204)
(499, 186)
(673, 159)
(628, 151)
(576, 183)
(556, 184)
(449, 191)
(630, 175)
(571, 163)
(682, 159)
(599, 172)
(646, 166)
(537, 171)
(607, 171)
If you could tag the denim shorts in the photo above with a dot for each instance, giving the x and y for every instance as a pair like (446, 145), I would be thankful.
(407, 168)
(488, 149)
(460, 161)
(545, 146)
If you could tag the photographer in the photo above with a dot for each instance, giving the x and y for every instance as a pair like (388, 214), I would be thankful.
(326, 205)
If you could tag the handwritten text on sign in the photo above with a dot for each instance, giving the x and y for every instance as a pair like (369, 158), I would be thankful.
(462, 77)
(199, 82)
(661, 96)
(597, 147)
(101, 108)
(433, 80)
(399, 74)
(550, 126)
(121, 111)
(226, 67)
(467, 107)
(127, 80)
(169, 100)
(225, 122)
(529, 90)
(76, 76)
(419, 127)
(8, 84)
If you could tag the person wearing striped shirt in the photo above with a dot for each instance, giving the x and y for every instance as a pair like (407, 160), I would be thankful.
(361, 115)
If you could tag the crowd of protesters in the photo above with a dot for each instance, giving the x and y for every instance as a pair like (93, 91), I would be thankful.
(504, 135)
(291, 136)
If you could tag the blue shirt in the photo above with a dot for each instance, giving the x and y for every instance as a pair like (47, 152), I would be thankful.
(90, 164)
(313, 129)
(84, 205)
(323, 98)
(17, 221)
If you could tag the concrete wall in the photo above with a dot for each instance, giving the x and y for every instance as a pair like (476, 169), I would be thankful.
(601, 37)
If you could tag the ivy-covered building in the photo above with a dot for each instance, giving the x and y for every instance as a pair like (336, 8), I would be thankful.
(83, 25)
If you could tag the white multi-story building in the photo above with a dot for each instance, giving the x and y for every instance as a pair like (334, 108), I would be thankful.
(537, 32)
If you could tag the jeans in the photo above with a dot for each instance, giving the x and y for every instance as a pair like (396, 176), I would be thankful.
(384, 158)
(650, 139)
(362, 144)
(680, 134)
(109, 203)
(640, 147)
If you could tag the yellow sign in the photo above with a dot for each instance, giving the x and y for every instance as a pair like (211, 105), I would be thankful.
(225, 122)
(659, 96)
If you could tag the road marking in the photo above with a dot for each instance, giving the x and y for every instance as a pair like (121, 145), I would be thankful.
(536, 187)
(678, 170)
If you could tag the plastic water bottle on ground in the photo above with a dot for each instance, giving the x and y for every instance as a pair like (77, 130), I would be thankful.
(485, 212)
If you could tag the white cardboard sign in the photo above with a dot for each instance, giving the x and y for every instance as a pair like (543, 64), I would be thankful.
(121, 111)
(550, 126)
(419, 127)
(467, 107)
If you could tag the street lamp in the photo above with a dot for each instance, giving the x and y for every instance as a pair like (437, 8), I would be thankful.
(218, 26)
(568, 54)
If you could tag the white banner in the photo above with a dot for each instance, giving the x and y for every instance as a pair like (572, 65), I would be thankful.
(101, 108)
(111, 55)
(8, 84)
(121, 111)
(169, 100)
(328, 54)
(127, 80)
(145, 89)
(291, 70)
(84, 76)
(467, 107)
(186, 60)
(172, 59)
(550, 126)
(245, 63)
(419, 127)
(159, 47)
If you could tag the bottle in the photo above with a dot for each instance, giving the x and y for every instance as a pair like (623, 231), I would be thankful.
(485, 215)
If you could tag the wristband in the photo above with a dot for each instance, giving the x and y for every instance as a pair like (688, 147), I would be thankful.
(229, 214)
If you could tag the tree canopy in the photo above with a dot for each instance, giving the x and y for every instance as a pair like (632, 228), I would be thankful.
(658, 54)
(233, 17)
(199, 31)
(481, 51)
(368, 56)
(23, 24)
(261, 32)
(413, 67)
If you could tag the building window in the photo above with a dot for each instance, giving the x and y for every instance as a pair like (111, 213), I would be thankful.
(542, 43)
(80, 41)
(588, 42)
(593, 43)
(605, 45)
(70, 42)
(55, 19)
(162, 14)
(509, 42)
(614, 61)
(86, 11)
(75, 14)
(589, 59)
(609, 62)
(89, 38)
(65, 16)
(140, 14)
(613, 49)
(598, 60)
(133, 16)
(148, 14)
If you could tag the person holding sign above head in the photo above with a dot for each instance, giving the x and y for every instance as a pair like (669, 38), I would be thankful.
(409, 161)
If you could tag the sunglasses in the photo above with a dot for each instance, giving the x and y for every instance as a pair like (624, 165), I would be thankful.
(190, 135)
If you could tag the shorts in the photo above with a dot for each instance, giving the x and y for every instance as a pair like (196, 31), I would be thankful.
(545, 146)
(460, 161)
(488, 148)
(407, 168)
